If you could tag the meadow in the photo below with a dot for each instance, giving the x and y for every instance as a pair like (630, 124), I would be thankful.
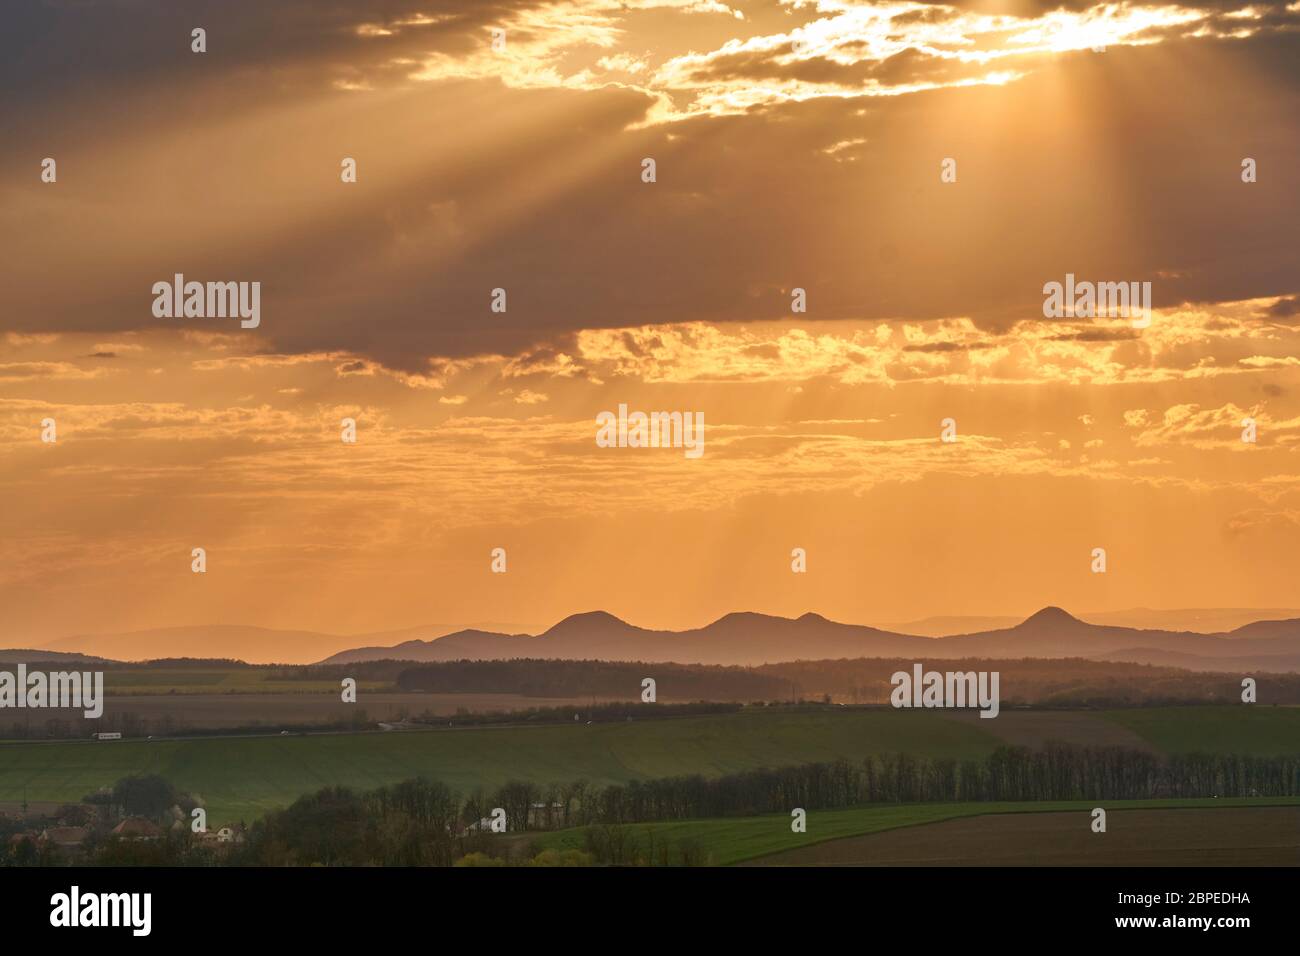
(241, 778)
(244, 777)
(1258, 729)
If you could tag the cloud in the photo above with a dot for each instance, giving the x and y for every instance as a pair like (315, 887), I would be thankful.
(1222, 427)
(539, 189)
(52, 371)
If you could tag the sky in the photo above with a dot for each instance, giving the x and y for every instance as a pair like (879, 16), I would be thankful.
(919, 170)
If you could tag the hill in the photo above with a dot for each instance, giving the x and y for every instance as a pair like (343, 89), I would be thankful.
(754, 639)
(29, 655)
(739, 638)
(259, 645)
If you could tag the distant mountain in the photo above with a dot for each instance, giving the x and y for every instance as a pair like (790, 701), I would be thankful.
(26, 655)
(1263, 663)
(1202, 620)
(1265, 630)
(258, 645)
(943, 625)
(739, 638)
(253, 645)
(1054, 633)
(750, 639)
(1212, 620)
(459, 645)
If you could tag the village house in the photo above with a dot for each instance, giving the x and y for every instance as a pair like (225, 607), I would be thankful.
(231, 833)
(137, 828)
(225, 837)
(68, 841)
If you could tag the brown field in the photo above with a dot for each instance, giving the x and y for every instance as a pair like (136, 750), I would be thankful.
(1033, 728)
(1256, 836)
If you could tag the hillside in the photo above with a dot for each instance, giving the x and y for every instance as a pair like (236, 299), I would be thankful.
(753, 639)
(739, 638)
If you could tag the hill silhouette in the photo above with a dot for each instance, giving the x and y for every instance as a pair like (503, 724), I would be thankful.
(740, 637)
(750, 638)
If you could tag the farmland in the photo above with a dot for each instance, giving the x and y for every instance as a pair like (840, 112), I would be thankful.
(1261, 731)
(183, 712)
(1146, 831)
(244, 777)
(1137, 835)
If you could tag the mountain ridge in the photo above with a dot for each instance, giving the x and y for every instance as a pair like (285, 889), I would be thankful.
(751, 638)
(738, 637)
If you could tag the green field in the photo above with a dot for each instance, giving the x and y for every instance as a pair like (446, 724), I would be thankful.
(244, 777)
(735, 839)
(1258, 730)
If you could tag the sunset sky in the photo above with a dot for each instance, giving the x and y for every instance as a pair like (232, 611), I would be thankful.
(797, 145)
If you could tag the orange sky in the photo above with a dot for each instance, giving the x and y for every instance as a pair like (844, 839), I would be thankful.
(797, 145)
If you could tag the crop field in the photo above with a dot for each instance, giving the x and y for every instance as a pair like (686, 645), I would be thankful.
(1206, 836)
(1256, 831)
(246, 776)
(243, 777)
(1258, 729)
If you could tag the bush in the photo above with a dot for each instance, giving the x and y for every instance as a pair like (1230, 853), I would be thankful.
(563, 858)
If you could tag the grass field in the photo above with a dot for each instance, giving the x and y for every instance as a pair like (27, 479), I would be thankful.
(1257, 729)
(244, 777)
(738, 839)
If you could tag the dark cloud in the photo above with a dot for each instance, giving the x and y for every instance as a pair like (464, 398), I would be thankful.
(1284, 308)
(906, 67)
(1116, 167)
(64, 46)
(949, 347)
(1098, 335)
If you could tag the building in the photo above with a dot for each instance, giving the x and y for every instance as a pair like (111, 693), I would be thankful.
(231, 833)
(137, 828)
(69, 841)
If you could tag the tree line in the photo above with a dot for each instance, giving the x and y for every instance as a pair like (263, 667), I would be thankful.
(424, 823)
(1068, 682)
(616, 679)
(1055, 772)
